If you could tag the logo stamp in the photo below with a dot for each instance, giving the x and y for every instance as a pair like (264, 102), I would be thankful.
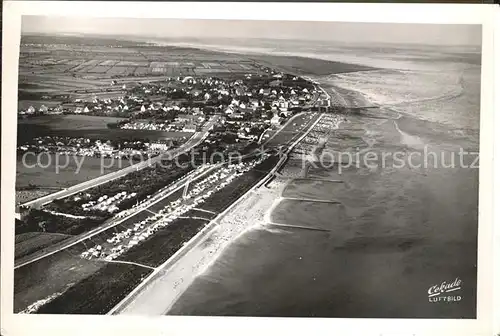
(447, 291)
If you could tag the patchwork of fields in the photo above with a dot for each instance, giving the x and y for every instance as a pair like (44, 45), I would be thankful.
(89, 72)
(82, 69)
(113, 64)
(115, 67)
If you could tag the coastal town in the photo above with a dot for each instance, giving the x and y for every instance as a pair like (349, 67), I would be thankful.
(180, 151)
(179, 135)
(247, 107)
(194, 167)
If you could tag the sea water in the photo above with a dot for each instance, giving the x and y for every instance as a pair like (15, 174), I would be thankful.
(399, 230)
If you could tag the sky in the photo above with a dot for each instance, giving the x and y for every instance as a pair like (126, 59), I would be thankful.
(432, 34)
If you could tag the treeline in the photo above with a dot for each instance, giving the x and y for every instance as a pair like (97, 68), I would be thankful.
(43, 221)
(159, 247)
(143, 183)
(98, 293)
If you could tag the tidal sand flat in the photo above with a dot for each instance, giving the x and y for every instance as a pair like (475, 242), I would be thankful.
(307, 214)
(313, 189)
(405, 227)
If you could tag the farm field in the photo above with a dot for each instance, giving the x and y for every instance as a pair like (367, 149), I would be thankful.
(70, 122)
(30, 242)
(94, 66)
(60, 171)
(26, 132)
(98, 293)
(41, 171)
(50, 275)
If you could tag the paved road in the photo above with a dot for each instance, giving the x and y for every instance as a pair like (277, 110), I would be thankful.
(196, 139)
(67, 243)
(140, 298)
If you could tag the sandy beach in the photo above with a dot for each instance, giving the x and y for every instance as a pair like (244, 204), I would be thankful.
(249, 213)
(399, 228)
(171, 283)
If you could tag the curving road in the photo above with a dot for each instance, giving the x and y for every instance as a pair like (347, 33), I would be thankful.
(139, 300)
(195, 140)
(67, 243)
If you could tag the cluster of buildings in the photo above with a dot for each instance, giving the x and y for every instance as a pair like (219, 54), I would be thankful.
(119, 149)
(42, 110)
(105, 203)
(124, 240)
(181, 123)
(273, 92)
(247, 106)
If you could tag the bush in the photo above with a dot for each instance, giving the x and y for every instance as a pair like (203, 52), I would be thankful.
(98, 293)
(159, 247)
(42, 221)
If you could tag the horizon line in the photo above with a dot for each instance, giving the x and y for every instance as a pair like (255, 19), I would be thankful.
(133, 37)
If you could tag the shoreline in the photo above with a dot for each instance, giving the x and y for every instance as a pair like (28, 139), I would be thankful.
(245, 215)
(174, 280)
(251, 213)
(401, 243)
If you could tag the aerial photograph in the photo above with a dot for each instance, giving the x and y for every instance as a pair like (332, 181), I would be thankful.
(247, 168)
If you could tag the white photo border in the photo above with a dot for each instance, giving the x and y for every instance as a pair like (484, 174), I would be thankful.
(13, 324)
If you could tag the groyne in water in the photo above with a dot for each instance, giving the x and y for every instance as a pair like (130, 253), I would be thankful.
(314, 179)
(314, 147)
(311, 200)
(298, 227)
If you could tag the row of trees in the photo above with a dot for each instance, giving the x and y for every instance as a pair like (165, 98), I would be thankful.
(42, 221)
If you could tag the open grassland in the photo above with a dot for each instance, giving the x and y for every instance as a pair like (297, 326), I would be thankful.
(30, 242)
(52, 171)
(291, 130)
(87, 287)
(49, 275)
(98, 293)
(70, 122)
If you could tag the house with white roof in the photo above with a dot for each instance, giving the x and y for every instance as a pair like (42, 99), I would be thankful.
(275, 120)
(229, 110)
